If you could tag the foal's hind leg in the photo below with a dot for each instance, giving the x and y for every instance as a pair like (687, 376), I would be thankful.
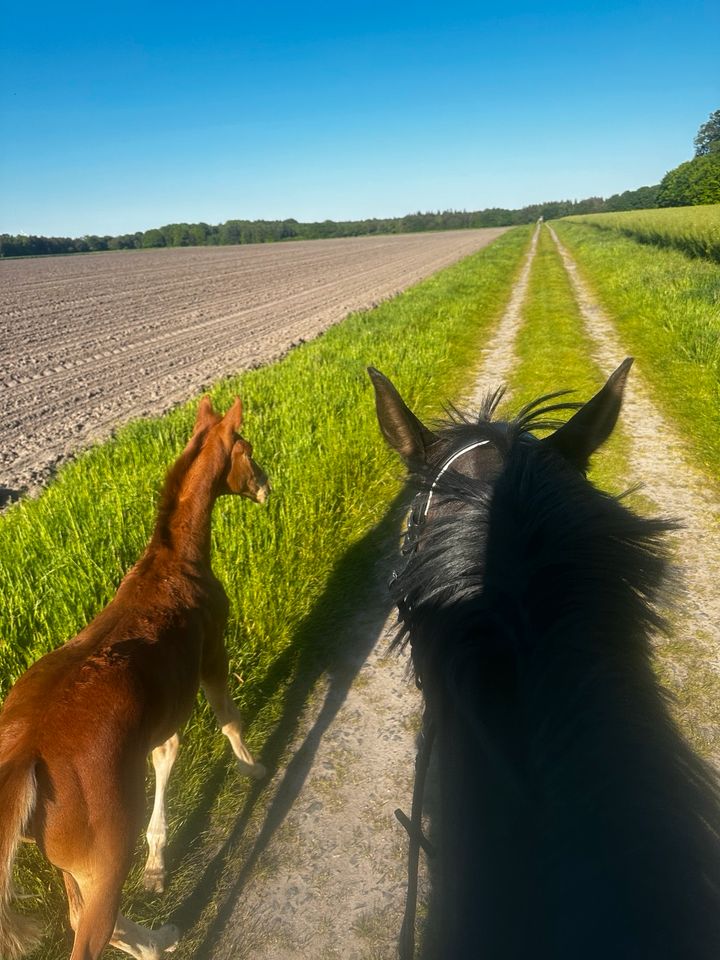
(163, 758)
(97, 923)
(93, 911)
(74, 897)
(213, 679)
(141, 942)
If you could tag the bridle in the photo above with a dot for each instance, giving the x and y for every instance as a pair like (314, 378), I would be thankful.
(446, 466)
(421, 507)
(413, 824)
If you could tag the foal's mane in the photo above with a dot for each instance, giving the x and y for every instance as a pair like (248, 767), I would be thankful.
(174, 479)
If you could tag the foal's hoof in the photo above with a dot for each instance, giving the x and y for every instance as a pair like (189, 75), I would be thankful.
(167, 938)
(255, 770)
(154, 881)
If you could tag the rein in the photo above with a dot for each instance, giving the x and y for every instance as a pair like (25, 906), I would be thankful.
(413, 824)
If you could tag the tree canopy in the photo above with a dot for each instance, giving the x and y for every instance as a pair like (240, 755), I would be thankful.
(708, 136)
(694, 182)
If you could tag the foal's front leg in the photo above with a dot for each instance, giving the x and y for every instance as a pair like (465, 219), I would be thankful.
(163, 758)
(213, 680)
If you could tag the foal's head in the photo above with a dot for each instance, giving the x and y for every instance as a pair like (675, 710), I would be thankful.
(216, 451)
(239, 473)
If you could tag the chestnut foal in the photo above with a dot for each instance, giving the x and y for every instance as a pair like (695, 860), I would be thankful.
(77, 727)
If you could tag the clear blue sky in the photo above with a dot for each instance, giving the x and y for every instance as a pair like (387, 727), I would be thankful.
(117, 116)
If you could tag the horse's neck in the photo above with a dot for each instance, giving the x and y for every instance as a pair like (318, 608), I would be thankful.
(589, 809)
(184, 518)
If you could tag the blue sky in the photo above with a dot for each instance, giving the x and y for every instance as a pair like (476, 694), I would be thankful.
(119, 116)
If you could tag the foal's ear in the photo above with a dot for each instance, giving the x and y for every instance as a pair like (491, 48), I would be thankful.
(584, 432)
(205, 416)
(399, 425)
(232, 421)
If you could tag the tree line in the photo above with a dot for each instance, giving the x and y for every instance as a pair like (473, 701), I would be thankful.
(273, 231)
(696, 181)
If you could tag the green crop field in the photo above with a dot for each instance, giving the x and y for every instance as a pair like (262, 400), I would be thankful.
(693, 230)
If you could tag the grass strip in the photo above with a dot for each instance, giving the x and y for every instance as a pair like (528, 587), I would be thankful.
(554, 353)
(666, 308)
(287, 569)
(692, 230)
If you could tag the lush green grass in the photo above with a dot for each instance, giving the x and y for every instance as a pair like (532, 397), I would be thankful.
(666, 309)
(554, 353)
(288, 569)
(693, 230)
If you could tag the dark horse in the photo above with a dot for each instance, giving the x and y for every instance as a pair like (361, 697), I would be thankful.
(575, 821)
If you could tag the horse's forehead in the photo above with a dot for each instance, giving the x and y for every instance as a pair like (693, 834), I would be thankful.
(473, 456)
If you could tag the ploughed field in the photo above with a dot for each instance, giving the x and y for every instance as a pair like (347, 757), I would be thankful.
(89, 342)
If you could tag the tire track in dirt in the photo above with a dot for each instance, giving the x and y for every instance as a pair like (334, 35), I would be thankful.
(659, 460)
(330, 884)
(89, 343)
(498, 357)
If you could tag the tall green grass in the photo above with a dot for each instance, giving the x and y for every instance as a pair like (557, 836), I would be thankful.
(312, 423)
(666, 308)
(693, 230)
(554, 353)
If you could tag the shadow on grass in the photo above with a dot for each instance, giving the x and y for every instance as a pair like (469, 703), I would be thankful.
(334, 640)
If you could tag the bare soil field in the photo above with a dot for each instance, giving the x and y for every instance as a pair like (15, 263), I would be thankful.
(90, 342)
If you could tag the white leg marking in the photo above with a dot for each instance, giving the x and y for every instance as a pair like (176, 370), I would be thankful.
(163, 758)
(141, 942)
(228, 717)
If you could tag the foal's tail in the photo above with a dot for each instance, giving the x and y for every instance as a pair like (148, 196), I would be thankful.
(18, 789)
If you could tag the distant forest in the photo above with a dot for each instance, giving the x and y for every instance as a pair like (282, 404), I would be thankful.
(272, 231)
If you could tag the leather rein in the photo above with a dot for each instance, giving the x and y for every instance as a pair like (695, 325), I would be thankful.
(413, 824)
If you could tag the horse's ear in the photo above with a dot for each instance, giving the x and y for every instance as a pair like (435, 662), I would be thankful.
(205, 416)
(232, 421)
(399, 425)
(584, 432)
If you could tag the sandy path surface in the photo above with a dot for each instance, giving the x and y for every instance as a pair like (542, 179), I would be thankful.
(90, 342)
(330, 883)
(498, 357)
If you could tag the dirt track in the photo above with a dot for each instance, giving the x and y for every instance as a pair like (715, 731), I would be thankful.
(90, 342)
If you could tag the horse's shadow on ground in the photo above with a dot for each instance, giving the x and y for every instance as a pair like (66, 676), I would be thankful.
(331, 641)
